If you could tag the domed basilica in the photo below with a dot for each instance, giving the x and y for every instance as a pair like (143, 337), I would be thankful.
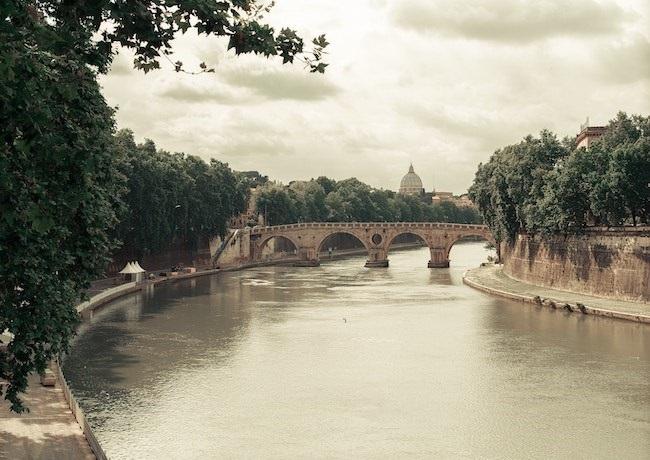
(411, 184)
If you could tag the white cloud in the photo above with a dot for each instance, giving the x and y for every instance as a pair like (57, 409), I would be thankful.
(626, 62)
(513, 21)
(184, 92)
(273, 81)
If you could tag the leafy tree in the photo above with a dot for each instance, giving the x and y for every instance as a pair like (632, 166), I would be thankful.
(565, 205)
(629, 175)
(529, 162)
(351, 200)
(78, 31)
(309, 201)
(276, 205)
(547, 186)
(59, 184)
(173, 198)
(327, 184)
(509, 187)
(336, 211)
(59, 191)
(356, 200)
(625, 192)
(384, 204)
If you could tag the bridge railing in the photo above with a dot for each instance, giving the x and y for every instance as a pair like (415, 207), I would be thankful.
(319, 225)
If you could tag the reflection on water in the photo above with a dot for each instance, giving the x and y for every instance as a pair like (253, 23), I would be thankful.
(343, 361)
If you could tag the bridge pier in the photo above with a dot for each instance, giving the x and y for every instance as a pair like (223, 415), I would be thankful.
(377, 258)
(307, 257)
(439, 258)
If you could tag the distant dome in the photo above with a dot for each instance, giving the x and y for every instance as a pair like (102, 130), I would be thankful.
(411, 183)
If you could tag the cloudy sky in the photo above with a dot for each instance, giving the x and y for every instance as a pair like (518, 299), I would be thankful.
(441, 83)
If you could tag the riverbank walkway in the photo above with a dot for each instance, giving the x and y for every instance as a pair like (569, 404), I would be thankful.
(48, 432)
(492, 279)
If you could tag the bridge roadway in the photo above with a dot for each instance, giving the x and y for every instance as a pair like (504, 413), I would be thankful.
(377, 237)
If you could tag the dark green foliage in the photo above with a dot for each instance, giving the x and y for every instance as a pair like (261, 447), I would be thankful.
(173, 198)
(508, 188)
(327, 184)
(544, 186)
(61, 174)
(349, 200)
(252, 179)
(276, 205)
(59, 190)
(74, 29)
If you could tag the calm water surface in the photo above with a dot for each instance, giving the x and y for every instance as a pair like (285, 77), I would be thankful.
(345, 362)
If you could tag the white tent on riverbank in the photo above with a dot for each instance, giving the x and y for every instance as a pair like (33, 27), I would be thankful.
(134, 271)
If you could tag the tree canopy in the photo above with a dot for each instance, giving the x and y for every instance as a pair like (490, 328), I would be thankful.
(59, 193)
(543, 185)
(350, 200)
(173, 197)
(87, 32)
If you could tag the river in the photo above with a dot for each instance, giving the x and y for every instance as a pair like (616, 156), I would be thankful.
(341, 361)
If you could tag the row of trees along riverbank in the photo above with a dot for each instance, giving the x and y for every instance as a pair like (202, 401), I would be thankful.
(172, 199)
(350, 200)
(543, 185)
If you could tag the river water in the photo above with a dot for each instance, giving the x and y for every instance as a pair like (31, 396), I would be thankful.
(341, 361)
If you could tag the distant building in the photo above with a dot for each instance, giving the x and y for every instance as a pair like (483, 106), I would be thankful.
(411, 184)
(589, 134)
(439, 197)
(460, 201)
(464, 200)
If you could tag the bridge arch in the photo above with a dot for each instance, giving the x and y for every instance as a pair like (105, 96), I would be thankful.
(421, 235)
(264, 242)
(321, 242)
(467, 237)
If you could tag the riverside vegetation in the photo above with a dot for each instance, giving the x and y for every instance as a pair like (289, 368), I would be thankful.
(545, 186)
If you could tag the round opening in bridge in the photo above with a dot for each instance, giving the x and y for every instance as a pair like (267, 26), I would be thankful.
(377, 239)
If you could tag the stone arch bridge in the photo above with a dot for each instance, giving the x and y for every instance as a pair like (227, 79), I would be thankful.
(308, 238)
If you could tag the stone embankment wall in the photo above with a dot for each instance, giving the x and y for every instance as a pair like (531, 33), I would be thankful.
(236, 251)
(602, 262)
